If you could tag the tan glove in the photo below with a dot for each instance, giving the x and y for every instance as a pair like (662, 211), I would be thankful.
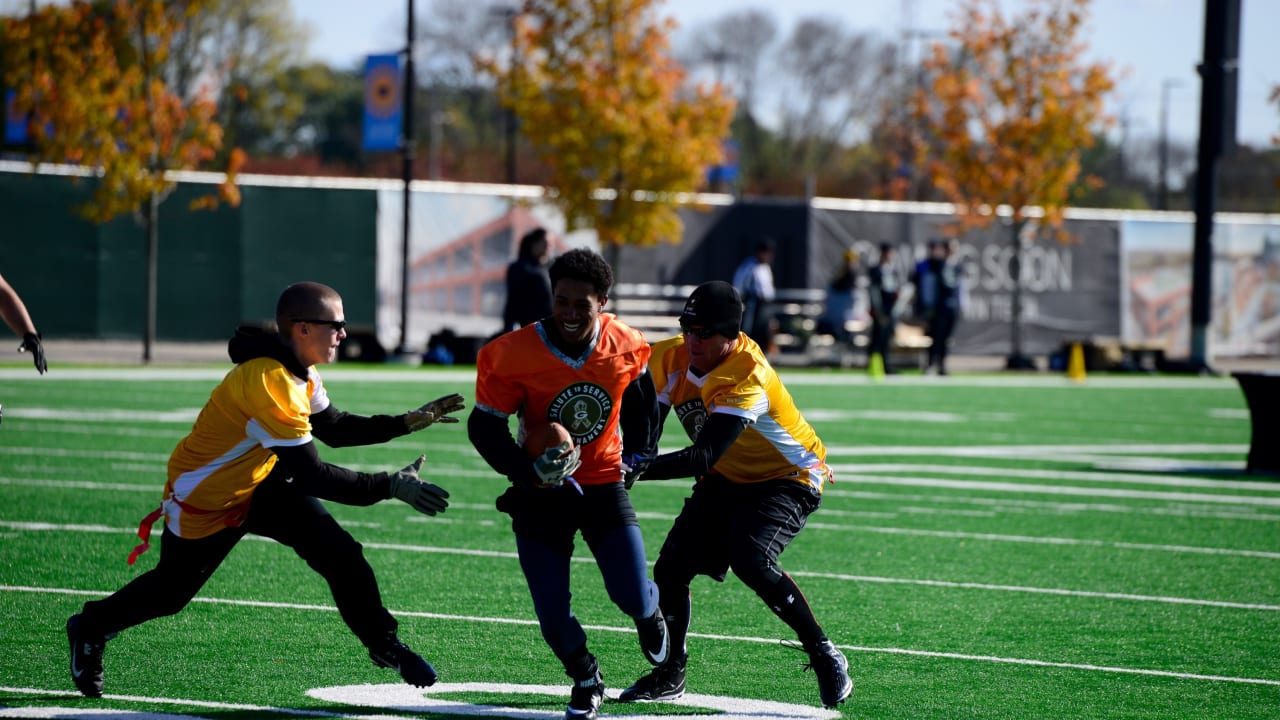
(433, 412)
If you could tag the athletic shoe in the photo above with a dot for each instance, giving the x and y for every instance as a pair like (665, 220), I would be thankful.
(832, 670)
(654, 642)
(585, 699)
(86, 658)
(665, 682)
(395, 654)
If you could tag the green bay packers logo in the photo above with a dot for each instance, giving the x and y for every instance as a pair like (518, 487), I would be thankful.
(692, 415)
(584, 410)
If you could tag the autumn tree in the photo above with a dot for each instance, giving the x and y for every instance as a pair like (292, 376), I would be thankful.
(1005, 113)
(87, 75)
(607, 109)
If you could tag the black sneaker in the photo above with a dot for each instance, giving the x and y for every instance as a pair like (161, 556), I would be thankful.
(585, 699)
(832, 669)
(665, 682)
(86, 658)
(654, 641)
(395, 654)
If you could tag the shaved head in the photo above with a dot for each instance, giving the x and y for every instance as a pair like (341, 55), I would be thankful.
(303, 301)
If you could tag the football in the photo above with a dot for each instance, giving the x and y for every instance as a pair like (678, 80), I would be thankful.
(545, 435)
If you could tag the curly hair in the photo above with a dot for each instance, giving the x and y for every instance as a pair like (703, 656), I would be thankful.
(585, 265)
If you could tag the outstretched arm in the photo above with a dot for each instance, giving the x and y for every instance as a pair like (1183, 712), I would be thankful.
(718, 434)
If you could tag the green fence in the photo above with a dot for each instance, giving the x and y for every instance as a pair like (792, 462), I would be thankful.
(216, 269)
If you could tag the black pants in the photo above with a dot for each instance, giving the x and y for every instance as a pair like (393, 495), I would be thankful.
(279, 512)
(744, 527)
(940, 330)
(882, 328)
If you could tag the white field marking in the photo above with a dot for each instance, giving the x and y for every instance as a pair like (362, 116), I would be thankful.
(909, 416)
(91, 454)
(1036, 452)
(1040, 591)
(1005, 505)
(454, 376)
(848, 476)
(112, 415)
(109, 430)
(907, 510)
(1229, 413)
(154, 487)
(1153, 465)
(89, 713)
(711, 636)
(215, 374)
(994, 537)
(407, 699)
(1086, 476)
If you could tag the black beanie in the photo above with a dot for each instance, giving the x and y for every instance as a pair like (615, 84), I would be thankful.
(715, 305)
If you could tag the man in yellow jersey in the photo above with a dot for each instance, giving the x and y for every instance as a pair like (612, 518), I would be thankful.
(585, 369)
(249, 465)
(759, 468)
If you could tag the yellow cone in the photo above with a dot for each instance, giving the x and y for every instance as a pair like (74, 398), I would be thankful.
(1075, 363)
(875, 367)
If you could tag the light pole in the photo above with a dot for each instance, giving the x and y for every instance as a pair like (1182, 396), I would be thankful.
(509, 13)
(1162, 189)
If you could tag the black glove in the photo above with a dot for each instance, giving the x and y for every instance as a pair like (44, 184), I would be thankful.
(427, 498)
(633, 466)
(433, 412)
(31, 344)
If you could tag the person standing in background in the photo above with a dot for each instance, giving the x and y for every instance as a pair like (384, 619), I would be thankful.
(884, 283)
(942, 295)
(754, 282)
(528, 284)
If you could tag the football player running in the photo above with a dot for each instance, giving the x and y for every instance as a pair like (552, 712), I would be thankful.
(759, 468)
(249, 465)
(585, 369)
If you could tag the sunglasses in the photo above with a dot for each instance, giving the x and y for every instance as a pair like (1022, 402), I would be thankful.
(703, 333)
(337, 325)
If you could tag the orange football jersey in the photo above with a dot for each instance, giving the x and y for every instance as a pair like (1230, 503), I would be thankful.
(521, 373)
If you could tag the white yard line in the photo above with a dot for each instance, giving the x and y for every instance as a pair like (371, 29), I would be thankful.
(730, 638)
(848, 476)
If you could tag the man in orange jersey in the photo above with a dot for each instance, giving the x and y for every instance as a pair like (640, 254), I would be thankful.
(586, 370)
(759, 468)
(249, 465)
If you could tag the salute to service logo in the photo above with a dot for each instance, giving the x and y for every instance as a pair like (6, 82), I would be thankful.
(583, 408)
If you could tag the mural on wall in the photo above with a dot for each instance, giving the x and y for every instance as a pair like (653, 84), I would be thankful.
(459, 247)
(1245, 306)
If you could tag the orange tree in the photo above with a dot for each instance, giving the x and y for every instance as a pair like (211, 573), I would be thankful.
(90, 78)
(1004, 115)
(606, 108)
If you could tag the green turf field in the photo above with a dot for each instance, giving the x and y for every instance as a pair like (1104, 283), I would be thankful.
(993, 547)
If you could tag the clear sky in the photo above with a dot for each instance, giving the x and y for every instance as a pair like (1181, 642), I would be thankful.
(1148, 42)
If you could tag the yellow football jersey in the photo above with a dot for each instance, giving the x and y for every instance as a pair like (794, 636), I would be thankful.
(779, 443)
(215, 469)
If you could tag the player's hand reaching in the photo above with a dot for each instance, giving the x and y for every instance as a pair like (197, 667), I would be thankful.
(427, 498)
(433, 412)
(633, 466)
(31, 344)
(555, 465)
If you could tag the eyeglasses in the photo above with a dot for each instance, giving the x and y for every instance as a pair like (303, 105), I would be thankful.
(337, 325)
(703, 333)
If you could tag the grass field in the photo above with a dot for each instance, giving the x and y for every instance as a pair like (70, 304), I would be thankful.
(993, 547)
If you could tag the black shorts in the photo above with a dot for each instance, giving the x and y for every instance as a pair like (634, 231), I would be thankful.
(721, 515)
(554, 515)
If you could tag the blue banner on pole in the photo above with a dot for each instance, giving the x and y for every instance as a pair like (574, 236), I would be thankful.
(382, 102)
(15, 124)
